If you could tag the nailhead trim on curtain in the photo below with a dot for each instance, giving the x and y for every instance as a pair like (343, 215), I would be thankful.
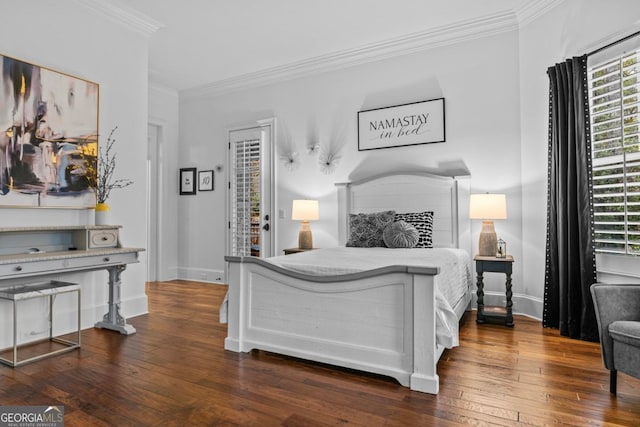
(587, 119)
(545, 309)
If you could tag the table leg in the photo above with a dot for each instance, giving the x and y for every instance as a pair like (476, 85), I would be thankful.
(509, 318)
(15, 332)
(480, 294)
(113, 319)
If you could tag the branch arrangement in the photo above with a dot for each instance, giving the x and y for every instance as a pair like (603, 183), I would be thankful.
(106, 168)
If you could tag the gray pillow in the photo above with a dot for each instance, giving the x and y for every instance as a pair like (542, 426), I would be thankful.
(400, 234)
(365, 230)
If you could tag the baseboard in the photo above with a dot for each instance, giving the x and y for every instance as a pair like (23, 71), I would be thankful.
(522, 304)
(169, 275)
(200, 275)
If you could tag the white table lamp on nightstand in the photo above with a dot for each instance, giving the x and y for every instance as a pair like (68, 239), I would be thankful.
(305, 211)
(488, 207)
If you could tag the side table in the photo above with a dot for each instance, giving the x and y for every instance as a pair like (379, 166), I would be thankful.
(494, 313)
(49, 289)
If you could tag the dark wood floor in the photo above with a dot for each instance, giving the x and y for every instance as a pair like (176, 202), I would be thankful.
(174, 372)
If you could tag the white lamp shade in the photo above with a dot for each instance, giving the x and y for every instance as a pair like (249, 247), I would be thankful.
(305, 210)
(488, 206)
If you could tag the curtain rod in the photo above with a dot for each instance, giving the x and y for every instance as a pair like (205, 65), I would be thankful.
(613, 43)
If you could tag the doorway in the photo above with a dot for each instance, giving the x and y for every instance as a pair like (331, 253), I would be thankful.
(153, 201)
(251, 195)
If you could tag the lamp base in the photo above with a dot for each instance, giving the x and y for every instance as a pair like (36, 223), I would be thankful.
(305, 240)
(488, 244)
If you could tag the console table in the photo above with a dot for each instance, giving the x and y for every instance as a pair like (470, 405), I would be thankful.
(27, 252)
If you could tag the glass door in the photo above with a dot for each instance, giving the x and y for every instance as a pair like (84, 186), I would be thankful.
(250, 191)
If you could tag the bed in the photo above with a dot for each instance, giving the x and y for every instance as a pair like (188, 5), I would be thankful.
(376, 313)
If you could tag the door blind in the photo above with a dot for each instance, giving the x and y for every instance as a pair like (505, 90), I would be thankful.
(245, 196)
(614, 100)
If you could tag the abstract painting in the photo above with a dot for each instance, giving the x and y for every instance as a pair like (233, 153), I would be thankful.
(48, 137)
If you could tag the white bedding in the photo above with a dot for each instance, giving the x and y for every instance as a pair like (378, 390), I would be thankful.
(453, 281)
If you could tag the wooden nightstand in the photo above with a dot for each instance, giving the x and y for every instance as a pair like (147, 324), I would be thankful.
(494, 265)
(296, 250)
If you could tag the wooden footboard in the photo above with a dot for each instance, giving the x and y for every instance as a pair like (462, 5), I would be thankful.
(381, 321)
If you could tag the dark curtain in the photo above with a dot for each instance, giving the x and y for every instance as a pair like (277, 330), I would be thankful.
(570, 255)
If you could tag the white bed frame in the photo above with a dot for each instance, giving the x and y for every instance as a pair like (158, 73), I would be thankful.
(381, 321)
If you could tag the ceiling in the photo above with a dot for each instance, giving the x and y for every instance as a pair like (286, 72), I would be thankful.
(194, 43)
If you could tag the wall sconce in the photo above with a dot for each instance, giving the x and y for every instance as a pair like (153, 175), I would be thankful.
(488, 207)
(305, 211)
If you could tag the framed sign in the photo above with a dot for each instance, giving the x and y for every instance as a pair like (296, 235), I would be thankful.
(408, 124)
(205, 181)
(187, 181)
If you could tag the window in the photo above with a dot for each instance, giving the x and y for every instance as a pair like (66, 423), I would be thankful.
(614, 97)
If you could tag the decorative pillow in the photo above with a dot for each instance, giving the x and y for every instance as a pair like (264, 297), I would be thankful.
(365, 230)
(423, 222)
(400, 234)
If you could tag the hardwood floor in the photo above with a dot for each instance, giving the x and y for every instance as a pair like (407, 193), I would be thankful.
(175, 372)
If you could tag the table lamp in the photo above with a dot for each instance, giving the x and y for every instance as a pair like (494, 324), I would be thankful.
(488, 207)
(305, 211)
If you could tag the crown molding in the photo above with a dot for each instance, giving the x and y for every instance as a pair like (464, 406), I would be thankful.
(440, 36)
(124, 15)
(533, 9)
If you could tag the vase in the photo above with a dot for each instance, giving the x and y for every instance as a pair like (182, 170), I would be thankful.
(102, 214)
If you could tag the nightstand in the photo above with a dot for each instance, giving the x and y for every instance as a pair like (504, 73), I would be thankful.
(296, 250)
(493, 313)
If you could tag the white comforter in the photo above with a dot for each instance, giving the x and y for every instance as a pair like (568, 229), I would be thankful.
(453, 282)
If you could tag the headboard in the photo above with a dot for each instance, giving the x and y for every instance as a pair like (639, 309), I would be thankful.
(446, 196)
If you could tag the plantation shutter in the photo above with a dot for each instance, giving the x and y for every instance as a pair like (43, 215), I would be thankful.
(245, 196)
(614, 100)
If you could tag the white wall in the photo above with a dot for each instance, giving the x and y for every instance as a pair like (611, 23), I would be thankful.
(67, 37)
(496, 92)
(163, 112)
(479, 80)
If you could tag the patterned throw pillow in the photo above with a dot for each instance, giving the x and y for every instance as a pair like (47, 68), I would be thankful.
(423, 222)
(365, 230)
(400, 234)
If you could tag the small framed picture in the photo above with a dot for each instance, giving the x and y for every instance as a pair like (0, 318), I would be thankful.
(502, 249)
(187, 181)
(205, 181)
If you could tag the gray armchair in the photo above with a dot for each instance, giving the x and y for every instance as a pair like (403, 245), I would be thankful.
(618, 314)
